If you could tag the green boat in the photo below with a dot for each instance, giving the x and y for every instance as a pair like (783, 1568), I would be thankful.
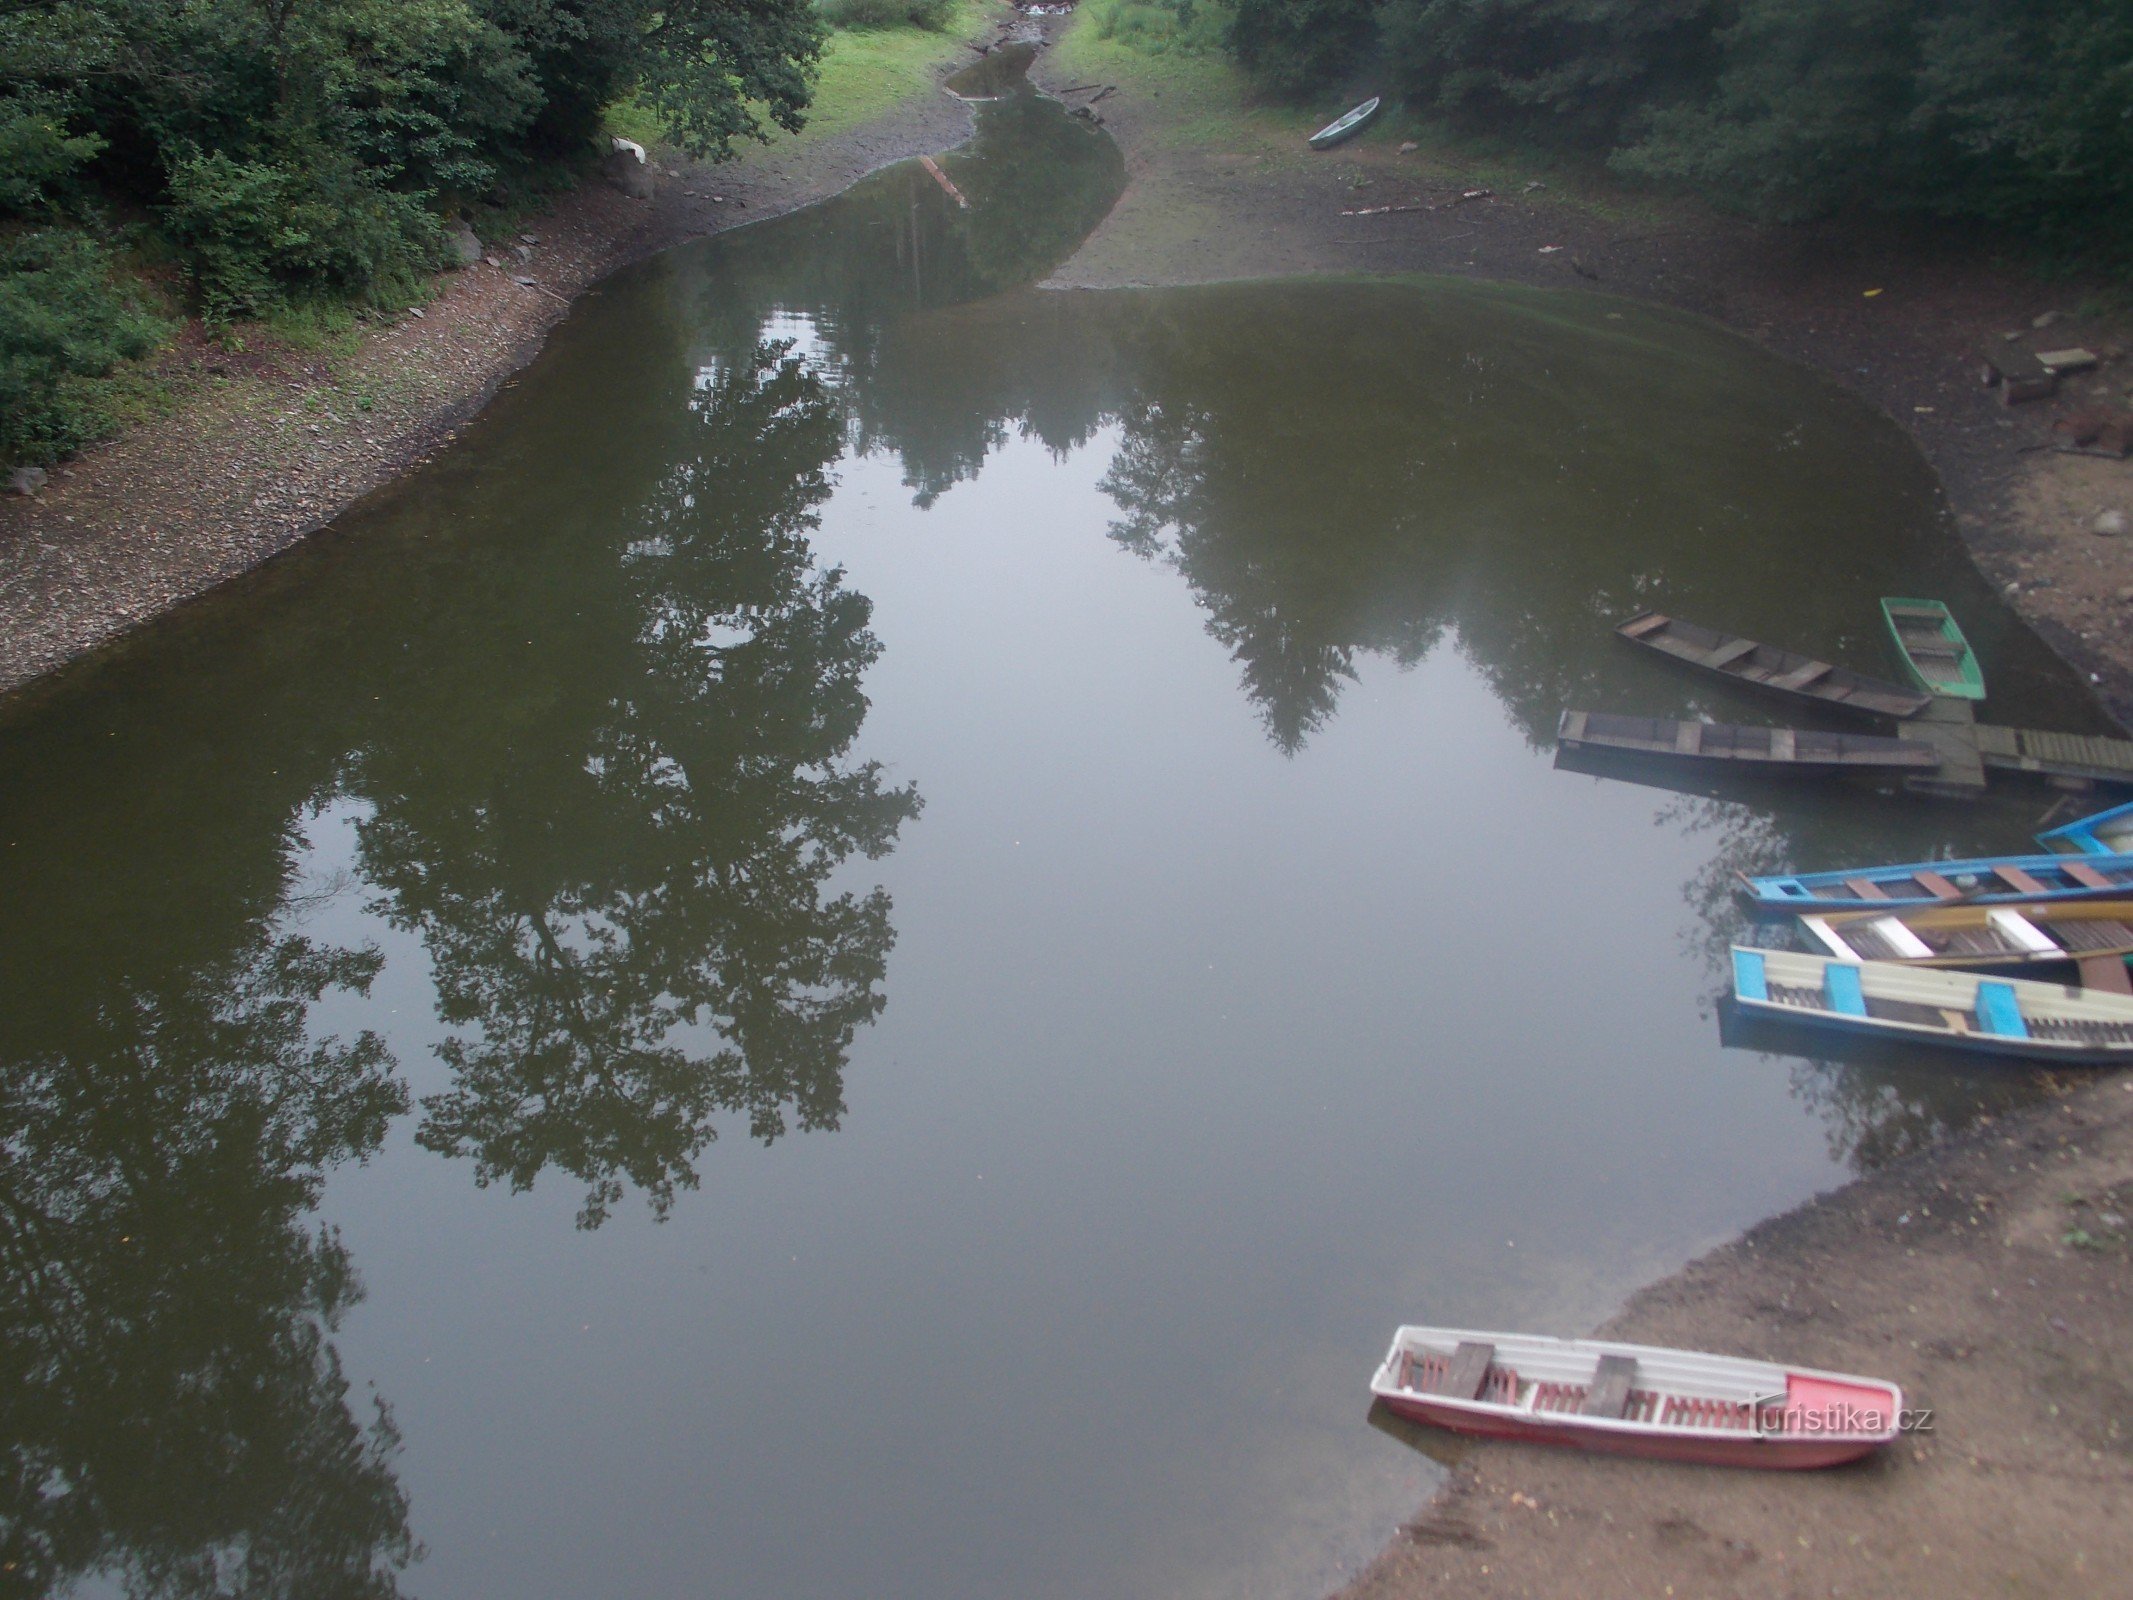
(1933, 648)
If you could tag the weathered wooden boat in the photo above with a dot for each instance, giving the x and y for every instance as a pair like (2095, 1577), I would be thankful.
(1634, 1399)
(2107, 833)
(2095, 935)
(1933, 648)
(1765, 666)
(1969, 1011)
(1346, 126)
(1988, 880)
(1736, 748)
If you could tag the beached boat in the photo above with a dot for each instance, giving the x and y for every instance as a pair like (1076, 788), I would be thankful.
(1969, 1011)
(1988, 880)
(1634, 1399)
(2095, 935)
(1778, 751)
(1933, 648)
(2107, 833)
(1765, 666)
(1345, 127)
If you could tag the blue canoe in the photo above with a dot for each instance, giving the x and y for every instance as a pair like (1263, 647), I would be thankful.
(2107, 833)
(1928, 1005)
(1989, 880)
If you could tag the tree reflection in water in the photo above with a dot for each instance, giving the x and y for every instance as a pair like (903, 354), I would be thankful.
(626, 916)
(173, 1416)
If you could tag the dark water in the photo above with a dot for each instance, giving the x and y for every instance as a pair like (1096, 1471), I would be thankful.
(870, 945)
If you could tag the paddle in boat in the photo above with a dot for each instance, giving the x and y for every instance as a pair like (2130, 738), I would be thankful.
(1988, 880)
(1933, 648)
(1970, 1011)
(1725, 746)
(2095, 935)
(1346, 126)
(2106, 833)
(1634, 1399)
(1765, 666)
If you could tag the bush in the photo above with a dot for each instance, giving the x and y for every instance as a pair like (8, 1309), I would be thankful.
(1292, 47)
(854, 15)
(62, 321)
(1158, 26)
(261, 233)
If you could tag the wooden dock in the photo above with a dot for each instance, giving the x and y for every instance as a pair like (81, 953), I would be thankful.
(1969, 749)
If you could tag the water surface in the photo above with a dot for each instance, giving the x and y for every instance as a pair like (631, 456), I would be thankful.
(870, 945)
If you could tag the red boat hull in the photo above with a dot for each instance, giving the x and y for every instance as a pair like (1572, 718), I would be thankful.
(1714, 1449)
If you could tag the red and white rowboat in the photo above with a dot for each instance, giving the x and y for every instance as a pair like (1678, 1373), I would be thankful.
(1634, 1399)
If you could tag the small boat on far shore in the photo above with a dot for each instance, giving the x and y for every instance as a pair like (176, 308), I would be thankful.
(1933, 648)
(1986, 880)
(1346, 126)
(1635, 1399)
(2107, 833)
(1968, 1011)
(1765, 666)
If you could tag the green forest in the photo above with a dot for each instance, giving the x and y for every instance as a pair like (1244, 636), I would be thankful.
(231, 158)
(2017, 114)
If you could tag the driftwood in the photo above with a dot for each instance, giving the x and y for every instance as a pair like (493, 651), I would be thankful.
(1109, 89)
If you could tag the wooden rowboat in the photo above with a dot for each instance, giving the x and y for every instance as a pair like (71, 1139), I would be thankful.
(1969, 1011)
(1933, 648)
(1735, 748)
(1989, 880)
(2095, 935)
(1635, 1399)
(2107, 833)
(1765, 666)
(1346, 126)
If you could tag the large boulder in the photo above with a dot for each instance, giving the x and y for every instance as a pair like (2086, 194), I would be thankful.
(466, 247)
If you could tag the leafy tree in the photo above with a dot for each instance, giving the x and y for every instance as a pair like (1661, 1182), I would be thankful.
(1567, 68)
(62, 320)
(1292, 47)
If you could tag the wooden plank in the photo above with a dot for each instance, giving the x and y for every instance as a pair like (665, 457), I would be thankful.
(1726, 654)
(2107, 973)
(1573, 728)
(1784, 743)
(1609, 1394)
(1650, 622)
(1801, 677)
(1865, 888)
(2019, 881)
(1936, 886)
(2082, 873)
(1469, 1370)
(1688, 738)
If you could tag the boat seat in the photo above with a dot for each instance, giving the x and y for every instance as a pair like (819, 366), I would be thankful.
(1650, 622)
(1726, 654)
(1801, 677)
(1609, 1394)
(2085, 875)
(1468, 1372)
(1866, 888)
(1998, 1012)
(2018, 880)
(1937, 886)
(1841, 991)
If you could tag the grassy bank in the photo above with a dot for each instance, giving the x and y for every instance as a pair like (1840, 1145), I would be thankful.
(865, 73)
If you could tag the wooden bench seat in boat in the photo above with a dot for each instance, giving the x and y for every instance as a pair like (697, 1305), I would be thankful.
(1468, 1372)
(1609, 1394)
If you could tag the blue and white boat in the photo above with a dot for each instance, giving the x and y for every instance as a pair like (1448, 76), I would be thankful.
(1969, 1011)
(2107, 833)
(1988, 880)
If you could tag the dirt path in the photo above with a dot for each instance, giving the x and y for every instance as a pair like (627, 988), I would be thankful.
(270, 444)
